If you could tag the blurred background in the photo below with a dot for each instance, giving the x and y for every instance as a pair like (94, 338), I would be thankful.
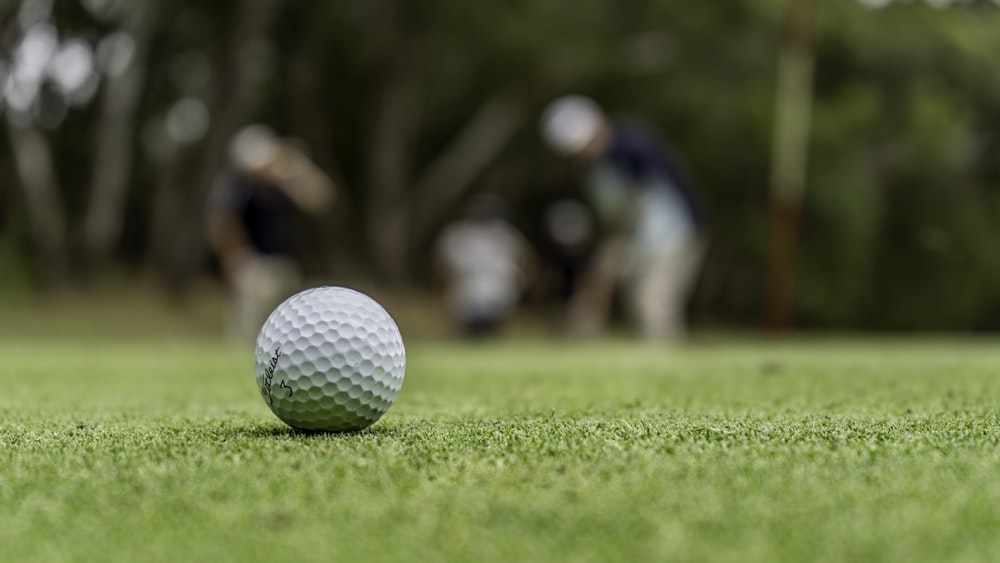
(847, 152)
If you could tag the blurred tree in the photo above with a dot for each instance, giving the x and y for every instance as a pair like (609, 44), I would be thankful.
(124, 54)
(413, 107)
(30, 99)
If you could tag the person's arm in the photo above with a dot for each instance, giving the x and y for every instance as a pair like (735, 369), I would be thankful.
(622, 208)
(308, 186)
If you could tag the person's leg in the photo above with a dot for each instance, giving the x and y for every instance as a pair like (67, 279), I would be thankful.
(258, 287)
(590, 303)
(651, 298)
(477, 327)
(659, 290)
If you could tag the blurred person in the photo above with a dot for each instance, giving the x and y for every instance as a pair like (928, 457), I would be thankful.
(652, 240)
(253, 212)
(484, 261)
(570, 235)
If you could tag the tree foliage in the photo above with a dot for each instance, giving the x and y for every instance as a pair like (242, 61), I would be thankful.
(411, 107)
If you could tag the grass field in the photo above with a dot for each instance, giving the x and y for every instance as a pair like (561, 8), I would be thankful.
(142, 451)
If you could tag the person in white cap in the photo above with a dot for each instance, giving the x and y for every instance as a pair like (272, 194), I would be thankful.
(652, 240)
(253, 213)
(484, 262)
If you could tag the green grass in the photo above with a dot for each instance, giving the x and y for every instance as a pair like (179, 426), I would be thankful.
(510, 452)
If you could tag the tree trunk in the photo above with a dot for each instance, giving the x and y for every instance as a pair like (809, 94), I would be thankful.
(102, 224)
(388, 174)
(39, 186)
(310, 116)
(791, 143)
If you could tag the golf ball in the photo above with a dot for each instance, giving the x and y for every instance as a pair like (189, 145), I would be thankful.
(329, 359)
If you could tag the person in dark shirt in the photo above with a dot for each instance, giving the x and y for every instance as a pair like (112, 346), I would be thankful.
(653, 227)
(253, 211)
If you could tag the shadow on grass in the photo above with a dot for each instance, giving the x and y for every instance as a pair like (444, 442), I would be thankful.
(273, 430)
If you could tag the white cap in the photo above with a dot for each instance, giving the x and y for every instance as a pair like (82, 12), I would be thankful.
(569, 123)
(253, 147)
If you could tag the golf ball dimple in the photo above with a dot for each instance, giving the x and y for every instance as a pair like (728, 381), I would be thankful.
(314, 371)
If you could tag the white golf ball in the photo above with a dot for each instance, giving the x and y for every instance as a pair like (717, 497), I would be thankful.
(330, 359)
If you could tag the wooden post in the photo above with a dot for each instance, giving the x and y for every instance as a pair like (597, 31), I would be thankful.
(790, 157)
